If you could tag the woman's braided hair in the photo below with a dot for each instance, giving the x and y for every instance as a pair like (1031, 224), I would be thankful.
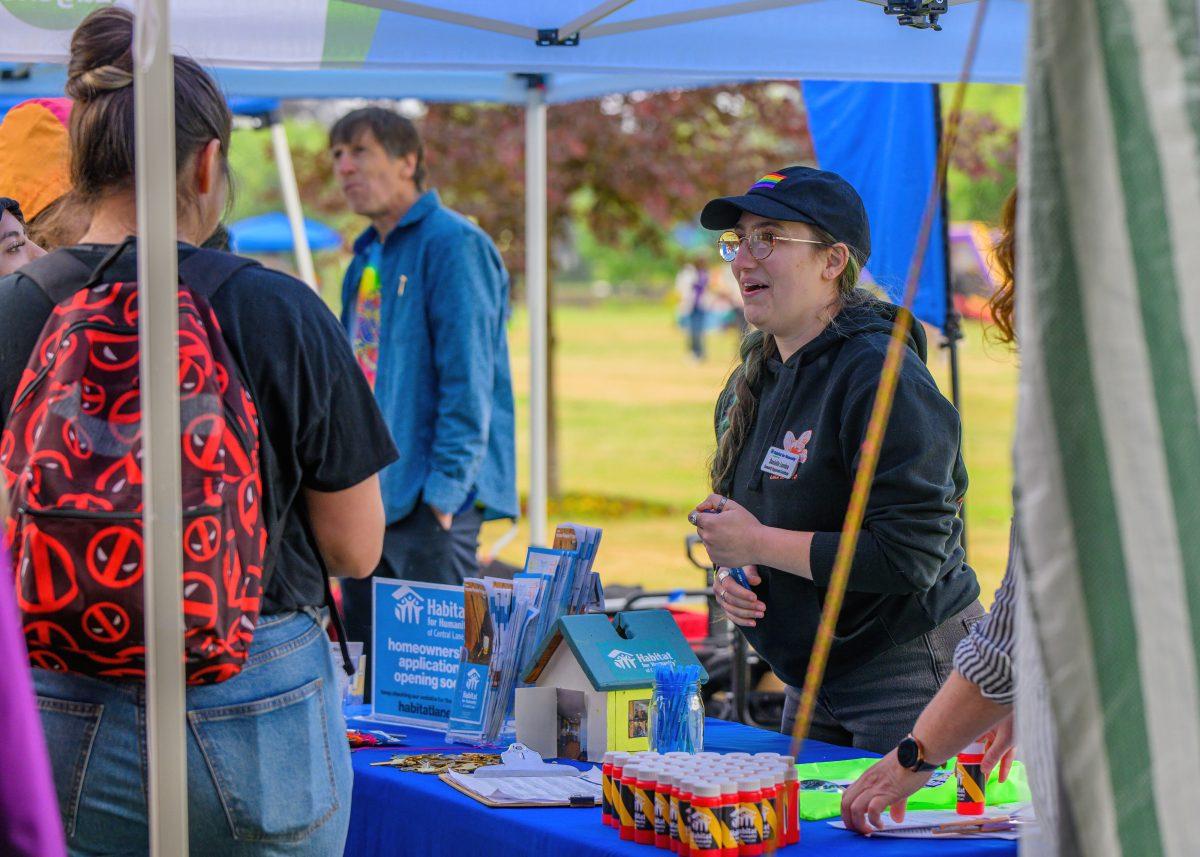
(737, 406)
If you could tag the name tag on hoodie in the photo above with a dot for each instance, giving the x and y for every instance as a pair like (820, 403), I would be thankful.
(780, 462)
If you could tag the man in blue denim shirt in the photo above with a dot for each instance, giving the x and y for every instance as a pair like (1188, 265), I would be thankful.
(425, 303)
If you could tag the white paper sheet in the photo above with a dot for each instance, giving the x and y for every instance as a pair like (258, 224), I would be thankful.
(919, 824)
(547, 790)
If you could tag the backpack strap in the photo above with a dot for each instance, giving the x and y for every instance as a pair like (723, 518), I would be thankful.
(205, 271)
(59, 274)
(335, 615)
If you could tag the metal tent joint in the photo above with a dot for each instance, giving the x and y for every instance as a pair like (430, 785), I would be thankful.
(918, 14)
(550, 38)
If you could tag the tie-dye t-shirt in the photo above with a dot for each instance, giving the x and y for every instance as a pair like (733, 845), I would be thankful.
(368, 311)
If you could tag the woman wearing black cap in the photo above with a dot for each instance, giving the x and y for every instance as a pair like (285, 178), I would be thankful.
(790, 425)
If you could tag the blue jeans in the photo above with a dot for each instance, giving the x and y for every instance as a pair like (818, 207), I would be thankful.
(268, 763)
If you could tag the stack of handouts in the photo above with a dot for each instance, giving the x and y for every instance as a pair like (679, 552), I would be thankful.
(1001, 823)
(549, 791)
(523, 779)
(506, 620)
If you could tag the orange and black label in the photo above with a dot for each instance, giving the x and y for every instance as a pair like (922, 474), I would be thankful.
(725, 815)
(748, 823)
(643, 809)
(970, 783)
(662, 813)
(705, 829)
(624, 804)
(769, 821)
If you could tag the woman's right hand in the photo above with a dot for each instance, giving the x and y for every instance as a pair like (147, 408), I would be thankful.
(740, 604)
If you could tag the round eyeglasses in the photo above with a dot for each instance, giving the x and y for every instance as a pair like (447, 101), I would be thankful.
(760, 243)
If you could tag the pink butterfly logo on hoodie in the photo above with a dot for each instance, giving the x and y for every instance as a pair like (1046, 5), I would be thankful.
(798, 445)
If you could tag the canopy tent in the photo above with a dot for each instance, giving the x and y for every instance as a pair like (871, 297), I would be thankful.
(466, 50)
(470, 49)
(542, 51)
(272, 233)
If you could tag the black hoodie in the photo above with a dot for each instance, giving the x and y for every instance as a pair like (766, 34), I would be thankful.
(908, 574)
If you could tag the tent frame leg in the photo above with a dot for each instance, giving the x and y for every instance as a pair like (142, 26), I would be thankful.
(154, 94)
(291, 200)
(537, 302)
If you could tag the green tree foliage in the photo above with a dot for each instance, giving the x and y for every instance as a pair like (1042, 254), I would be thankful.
(984, 167)
(646, 161)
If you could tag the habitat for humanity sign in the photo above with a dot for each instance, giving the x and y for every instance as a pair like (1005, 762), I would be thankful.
(418, 639)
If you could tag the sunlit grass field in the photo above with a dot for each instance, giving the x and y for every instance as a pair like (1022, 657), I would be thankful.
(635, 434)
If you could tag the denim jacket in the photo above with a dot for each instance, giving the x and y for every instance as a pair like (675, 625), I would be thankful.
(443, 381)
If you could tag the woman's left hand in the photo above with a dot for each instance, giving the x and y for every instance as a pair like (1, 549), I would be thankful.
(730, 535)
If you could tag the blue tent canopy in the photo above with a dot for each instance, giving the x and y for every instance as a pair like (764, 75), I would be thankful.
(384, 48)
(272, 233)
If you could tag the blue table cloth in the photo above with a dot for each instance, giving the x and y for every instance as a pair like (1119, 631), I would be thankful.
(395, 812)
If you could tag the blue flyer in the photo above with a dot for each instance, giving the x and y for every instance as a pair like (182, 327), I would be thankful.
(418, 640)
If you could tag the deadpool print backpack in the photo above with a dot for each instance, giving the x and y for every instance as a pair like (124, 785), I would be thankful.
(71, 454)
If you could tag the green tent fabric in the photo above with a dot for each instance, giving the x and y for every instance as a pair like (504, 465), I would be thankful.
(818, 804)
(1108, 440)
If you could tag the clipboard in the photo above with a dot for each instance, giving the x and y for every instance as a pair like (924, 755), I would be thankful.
(575, 803)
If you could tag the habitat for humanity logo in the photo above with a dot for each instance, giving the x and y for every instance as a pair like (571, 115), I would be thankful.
(472, 681)
(53, 14)
(623, 660)
(644, 660)
(409, 605)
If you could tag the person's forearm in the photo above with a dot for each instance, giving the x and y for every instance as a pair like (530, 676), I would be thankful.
(955, 717)
(786, 550)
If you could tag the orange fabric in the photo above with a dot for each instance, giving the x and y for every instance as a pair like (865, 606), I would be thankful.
(35, 163)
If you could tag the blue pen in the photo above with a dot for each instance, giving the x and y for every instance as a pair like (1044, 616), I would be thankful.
(740, 576)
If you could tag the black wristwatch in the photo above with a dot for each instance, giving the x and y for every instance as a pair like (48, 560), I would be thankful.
(910, 754)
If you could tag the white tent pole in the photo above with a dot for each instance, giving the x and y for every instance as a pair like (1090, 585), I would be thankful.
(154, 88)
(536, 301)
(291, 201)
(655, 22)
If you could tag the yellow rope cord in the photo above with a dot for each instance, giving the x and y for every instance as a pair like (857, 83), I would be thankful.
(880, 413)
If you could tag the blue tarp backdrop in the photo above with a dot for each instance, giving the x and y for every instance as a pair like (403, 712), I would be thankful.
(272, 233)
(882, 138)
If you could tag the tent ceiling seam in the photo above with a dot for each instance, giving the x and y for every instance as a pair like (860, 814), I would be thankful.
(588, 19)
(654, 22)
(478, 22)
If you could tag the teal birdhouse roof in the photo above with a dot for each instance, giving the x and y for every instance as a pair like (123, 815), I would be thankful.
(621, 654)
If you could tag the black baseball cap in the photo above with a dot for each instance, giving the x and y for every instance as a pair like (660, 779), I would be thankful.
(804, 195)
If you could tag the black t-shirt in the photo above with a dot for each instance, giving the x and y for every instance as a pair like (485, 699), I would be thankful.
(321, 426)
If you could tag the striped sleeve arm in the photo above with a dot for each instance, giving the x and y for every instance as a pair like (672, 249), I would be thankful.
(985, 656)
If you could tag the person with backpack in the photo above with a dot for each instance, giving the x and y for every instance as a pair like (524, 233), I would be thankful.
(281, 445)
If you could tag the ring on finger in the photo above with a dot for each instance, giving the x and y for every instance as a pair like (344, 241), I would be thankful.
(723, 574)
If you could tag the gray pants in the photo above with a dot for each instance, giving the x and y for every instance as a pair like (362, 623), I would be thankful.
(874, 706)
(414, 548)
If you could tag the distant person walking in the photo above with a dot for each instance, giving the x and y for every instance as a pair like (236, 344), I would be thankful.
(692, 285)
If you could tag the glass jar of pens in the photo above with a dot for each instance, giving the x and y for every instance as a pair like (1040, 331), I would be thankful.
(676, 710)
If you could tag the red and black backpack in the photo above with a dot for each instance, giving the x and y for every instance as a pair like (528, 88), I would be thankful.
(71, 457)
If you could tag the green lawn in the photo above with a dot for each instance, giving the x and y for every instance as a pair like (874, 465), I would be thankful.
(635, 433)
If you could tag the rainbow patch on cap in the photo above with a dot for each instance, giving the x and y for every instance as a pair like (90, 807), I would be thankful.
(768, 181)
